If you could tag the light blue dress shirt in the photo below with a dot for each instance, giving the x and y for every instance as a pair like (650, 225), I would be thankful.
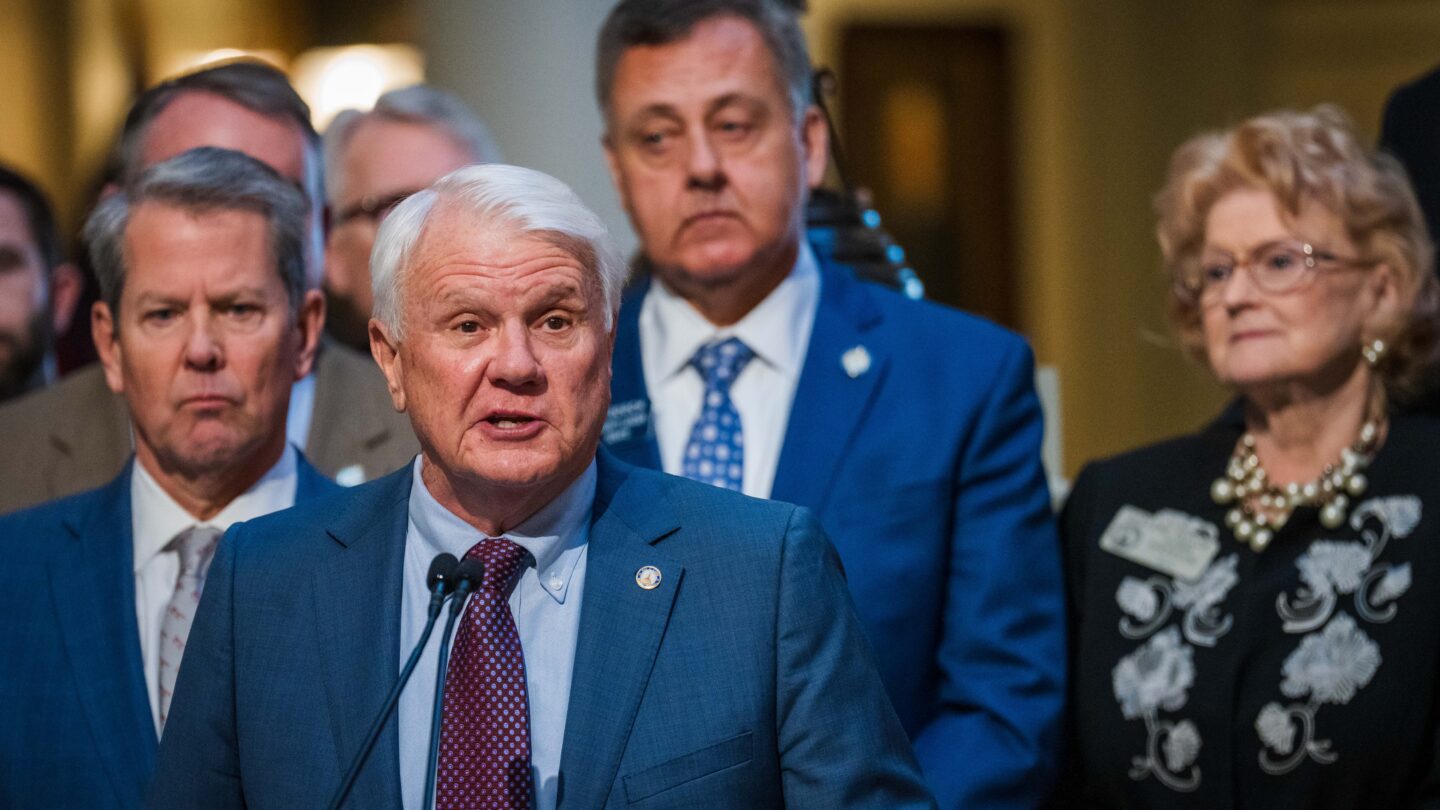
(545, 604)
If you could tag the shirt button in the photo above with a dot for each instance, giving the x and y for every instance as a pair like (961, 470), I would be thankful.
(555, 582)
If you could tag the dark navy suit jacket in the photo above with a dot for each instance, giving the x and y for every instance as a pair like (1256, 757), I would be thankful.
(742, 680)
(924, 468)
(77, 729)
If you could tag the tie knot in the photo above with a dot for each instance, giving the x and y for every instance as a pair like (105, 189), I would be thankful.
(721, 362)
(503, 560)
(195, 546)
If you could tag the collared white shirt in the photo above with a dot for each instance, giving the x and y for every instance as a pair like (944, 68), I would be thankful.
(545, 605)
(777, 330)
(156, 519)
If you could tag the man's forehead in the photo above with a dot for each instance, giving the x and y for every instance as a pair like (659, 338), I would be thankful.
(197, 118)
(724, 53)
(15, 225)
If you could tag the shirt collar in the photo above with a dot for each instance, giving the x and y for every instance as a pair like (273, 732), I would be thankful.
(775, 330)
(555, 536)
(157, 518)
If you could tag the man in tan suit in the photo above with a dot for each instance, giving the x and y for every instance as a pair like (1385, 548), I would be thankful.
(75, 435)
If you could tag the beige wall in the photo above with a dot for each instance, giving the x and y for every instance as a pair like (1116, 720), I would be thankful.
(1105, 90)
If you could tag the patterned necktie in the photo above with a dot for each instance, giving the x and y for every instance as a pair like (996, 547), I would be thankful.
(485, 725)
(716, 452)
(196, 547)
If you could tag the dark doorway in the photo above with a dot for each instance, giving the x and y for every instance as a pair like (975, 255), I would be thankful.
(927, 126)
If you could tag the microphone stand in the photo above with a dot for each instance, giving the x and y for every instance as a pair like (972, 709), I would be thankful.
(469, 575)
(441, 581)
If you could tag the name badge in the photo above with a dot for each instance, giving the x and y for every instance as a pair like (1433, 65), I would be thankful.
(1167, 541)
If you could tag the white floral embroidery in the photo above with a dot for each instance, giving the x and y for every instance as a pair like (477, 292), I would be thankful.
(1147, 604)
(1275, 729)
(1137, 599)
(1399, 513)
(1328, 667)
(1393, 585)
(1156, 677)
(1182, 746)
(1330, 569)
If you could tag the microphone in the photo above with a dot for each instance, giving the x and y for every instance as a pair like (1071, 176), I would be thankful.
(467, 578)
(440, 581)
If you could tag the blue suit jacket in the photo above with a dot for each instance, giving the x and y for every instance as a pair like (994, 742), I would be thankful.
(924, 469)
(77, 728)
(742, 680)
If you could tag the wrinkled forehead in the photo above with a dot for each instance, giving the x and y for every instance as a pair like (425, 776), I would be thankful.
(496, 247)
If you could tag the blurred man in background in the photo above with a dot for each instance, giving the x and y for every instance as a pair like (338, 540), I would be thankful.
(74, 435)
(38, 288)
(373, 160)
(912, 430)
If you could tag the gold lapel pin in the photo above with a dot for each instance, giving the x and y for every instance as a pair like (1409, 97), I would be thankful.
(648, 577)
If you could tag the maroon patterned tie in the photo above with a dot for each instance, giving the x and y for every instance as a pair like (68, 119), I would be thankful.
(485, 729)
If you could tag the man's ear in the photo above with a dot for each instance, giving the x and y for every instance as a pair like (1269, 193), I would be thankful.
(66, 284)
(815, 138)
(104, 331)
(310, 321)
(386, 351)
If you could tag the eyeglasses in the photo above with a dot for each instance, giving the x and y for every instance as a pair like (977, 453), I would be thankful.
(1275, 268)
(373, 208)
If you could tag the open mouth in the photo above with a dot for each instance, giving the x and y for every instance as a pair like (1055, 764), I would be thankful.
(509, 421)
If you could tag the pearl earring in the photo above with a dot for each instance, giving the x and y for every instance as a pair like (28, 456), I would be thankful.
(1373, 352)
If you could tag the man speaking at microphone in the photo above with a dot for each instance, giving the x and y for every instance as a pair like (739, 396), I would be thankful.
(636, 639)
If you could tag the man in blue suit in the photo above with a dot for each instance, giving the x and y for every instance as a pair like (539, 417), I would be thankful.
(636, 639)
(911, 430)
(203, 326)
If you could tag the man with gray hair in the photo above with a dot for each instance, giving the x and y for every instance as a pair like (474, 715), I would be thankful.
(632, 635)
(74, 435)
(204, 324)
(750, 362)
(411, 138)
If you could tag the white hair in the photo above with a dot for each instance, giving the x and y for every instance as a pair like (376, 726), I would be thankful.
(529, 201)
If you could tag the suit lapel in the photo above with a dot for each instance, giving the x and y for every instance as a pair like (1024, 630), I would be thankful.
(94, 595)
(629, 432)
(842, 372)
(357, 614)
(621, 627)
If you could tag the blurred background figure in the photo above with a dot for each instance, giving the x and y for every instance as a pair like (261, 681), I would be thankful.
(373, 160)
(74, 435)
(205, 322)
(38, 288)
(1252, 620)
(751, 361)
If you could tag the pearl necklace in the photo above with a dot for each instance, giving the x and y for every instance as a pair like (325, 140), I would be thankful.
(1245, 484)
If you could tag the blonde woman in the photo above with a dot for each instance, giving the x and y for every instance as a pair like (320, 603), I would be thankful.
(1256, 619)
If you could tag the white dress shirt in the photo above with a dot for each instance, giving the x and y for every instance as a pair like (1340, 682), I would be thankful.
(777, 330)
(156, 519)
(545, 605)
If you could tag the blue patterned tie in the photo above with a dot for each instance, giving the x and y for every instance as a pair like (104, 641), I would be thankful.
(716, 453)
